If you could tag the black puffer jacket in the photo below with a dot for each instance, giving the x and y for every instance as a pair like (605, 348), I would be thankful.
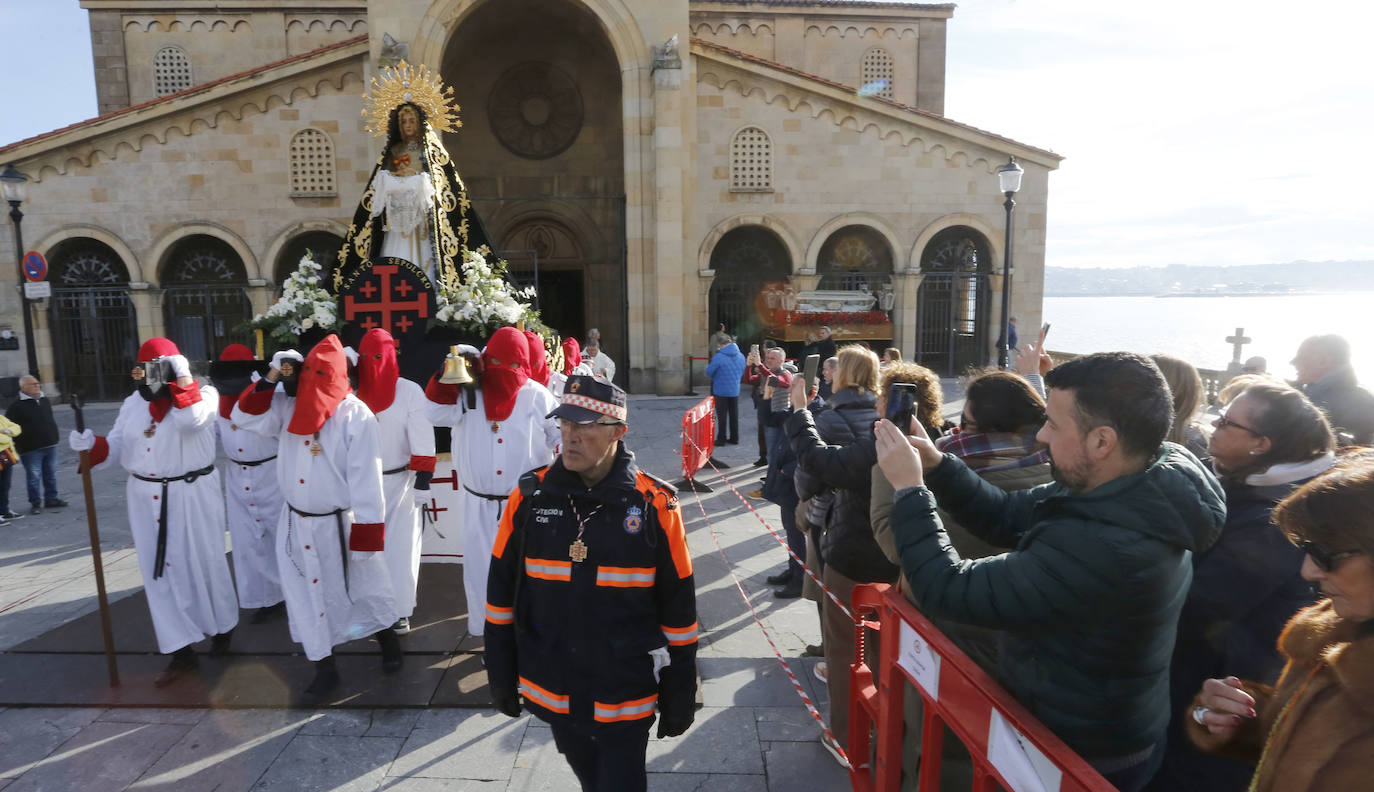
(835, 453)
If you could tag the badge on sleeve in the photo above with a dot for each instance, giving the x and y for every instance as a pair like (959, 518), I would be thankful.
(634, 519)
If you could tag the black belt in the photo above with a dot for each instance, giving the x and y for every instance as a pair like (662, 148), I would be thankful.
(254, 463)
(485, 496)
(401, 469)
(343, 537)
(160, 558)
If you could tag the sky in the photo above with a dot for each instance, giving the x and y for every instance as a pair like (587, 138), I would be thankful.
(1215, 132)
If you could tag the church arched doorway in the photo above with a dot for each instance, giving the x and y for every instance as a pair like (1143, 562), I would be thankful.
(94, 326)
(540, 88)
(744, 260)
(855, 258)
(204, 303)
(323, 247)
(952, 303)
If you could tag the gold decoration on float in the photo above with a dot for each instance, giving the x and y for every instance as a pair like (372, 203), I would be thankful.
(405, 84)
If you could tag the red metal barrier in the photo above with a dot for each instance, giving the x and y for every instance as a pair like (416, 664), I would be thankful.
(698, 439)
(1008, 745)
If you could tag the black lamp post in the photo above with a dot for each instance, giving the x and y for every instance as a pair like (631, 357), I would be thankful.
(1010, 178)
(12, 184)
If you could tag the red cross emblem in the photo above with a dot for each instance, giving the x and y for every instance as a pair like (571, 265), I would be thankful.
(384, 300)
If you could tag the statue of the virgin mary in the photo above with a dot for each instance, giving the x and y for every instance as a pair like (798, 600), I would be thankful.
(415, 206)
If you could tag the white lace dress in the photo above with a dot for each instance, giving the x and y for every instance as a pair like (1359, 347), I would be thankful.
(406, 200)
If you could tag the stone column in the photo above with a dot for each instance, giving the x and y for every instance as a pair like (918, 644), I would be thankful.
(147, 310)
(907, 286)
(663, 308)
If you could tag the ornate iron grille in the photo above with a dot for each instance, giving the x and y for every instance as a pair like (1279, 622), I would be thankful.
(96, 340)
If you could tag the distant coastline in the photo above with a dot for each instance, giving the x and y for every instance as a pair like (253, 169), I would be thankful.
(1297, 278)
(1205, 293)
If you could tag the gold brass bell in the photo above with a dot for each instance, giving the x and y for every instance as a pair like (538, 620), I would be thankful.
(455, 369)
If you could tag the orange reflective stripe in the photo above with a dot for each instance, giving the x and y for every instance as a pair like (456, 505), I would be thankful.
(680, 636)
(547, 569)
(497, 615)
(507, 525)
(625, 710)
(549, 701)
(625, 577)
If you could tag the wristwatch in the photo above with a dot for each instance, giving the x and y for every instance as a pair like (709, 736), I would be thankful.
(1200, 712)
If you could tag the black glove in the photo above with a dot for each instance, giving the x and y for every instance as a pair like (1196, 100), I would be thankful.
(507, 701)
(673, 724)
(422, 479)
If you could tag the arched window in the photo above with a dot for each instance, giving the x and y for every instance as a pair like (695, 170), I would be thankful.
(745, 260)
(203, 303)
(323, 247)
(855, 258)
(312, 164)
(875, 73)
(94, 327)
(952, 304)
(751, 161)
(171, 71)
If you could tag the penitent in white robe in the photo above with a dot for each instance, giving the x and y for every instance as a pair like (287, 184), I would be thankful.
(347, 474)
(491, 463)
(405, 433)
(254, 504)
(194, 598)
(407, 201)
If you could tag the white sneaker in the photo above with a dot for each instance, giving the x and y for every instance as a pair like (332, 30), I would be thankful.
(822, 671)
(402, 626)
(834, 752)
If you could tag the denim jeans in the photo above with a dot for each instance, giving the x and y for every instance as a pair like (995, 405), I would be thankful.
(5, 476)
(42, 461)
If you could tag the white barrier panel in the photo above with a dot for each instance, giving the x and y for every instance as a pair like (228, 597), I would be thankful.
(440, 542)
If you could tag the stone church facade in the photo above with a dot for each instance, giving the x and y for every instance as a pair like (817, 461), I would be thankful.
(651, 165)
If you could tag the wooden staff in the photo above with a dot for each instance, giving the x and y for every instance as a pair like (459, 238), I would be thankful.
(77, 405)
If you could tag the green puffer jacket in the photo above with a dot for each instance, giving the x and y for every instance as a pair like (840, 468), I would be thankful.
(1089, 599)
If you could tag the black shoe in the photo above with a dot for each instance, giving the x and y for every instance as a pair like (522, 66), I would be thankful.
(731, 442)
(761, 462)
(219, 645)
(790, 591)
(184, 661)
(326, 679)
(54, 503)
(402, 626)
(785, 576)
(37, 509)
(9, 515)
(391, 650)
(268, 613)
(813, 650)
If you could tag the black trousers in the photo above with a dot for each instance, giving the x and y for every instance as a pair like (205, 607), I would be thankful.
(762, 409)
(605, 759)
(727, 414)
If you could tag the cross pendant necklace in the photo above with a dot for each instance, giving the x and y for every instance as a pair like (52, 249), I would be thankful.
(495, 427)
(315, 448)
(577, 551)
(151, 430)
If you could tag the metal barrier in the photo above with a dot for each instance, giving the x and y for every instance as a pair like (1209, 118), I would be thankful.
(698, 442)
(1007, 744)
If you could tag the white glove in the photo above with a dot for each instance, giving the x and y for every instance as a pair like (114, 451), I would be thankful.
(81, 441)
(468, 350)
(422, 499)
(352, 355)
(286, 354)
(661, 660)
(180, 366)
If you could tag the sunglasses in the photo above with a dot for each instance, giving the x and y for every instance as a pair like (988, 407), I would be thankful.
(1324, 558)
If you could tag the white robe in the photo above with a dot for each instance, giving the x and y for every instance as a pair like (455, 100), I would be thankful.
(195, 597)
(407, 201)
(491, 463)
(347, 474)
(254, 504)
(405, 432)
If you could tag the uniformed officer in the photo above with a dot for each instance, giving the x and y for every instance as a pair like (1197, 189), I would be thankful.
(591, 606)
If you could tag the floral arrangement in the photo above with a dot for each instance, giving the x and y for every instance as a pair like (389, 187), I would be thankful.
(484, 300)
(837, 317)
(304, 304)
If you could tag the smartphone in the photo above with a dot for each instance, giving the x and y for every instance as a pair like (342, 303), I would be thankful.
(812, 369)
(157, 373)
(1044, 331)
(754, 350)
(901, 405)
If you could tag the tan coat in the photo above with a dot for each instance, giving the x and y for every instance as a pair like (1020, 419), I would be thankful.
(1325, 740)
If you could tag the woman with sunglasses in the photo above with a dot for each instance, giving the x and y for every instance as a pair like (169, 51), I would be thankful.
(1314, 730)
(1268, 441)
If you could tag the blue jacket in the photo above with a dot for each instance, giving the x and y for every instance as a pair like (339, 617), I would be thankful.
(725, 369)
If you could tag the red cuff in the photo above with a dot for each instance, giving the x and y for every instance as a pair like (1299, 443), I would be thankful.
(185, 397)
(367, 537)
(100, 452)
(439, 393)
(254, 401)
(422, 463)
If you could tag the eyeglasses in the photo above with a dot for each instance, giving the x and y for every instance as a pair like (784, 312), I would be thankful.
(967, 424)
(571, 425)
(1221, 422)
(1324, 558)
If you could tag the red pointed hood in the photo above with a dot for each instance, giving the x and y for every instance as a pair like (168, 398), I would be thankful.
(377, 369)
(323, 384)
(156, 348)
(539, 359)
(226, 400)
(572, 355)
(505, 367)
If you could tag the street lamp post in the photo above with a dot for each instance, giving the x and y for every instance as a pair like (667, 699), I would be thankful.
(1010, 177)
(12, 184)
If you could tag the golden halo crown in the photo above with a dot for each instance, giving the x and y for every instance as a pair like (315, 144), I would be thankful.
(404, 84)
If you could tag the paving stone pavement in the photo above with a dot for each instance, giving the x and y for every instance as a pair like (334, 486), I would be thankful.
(752, 734)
